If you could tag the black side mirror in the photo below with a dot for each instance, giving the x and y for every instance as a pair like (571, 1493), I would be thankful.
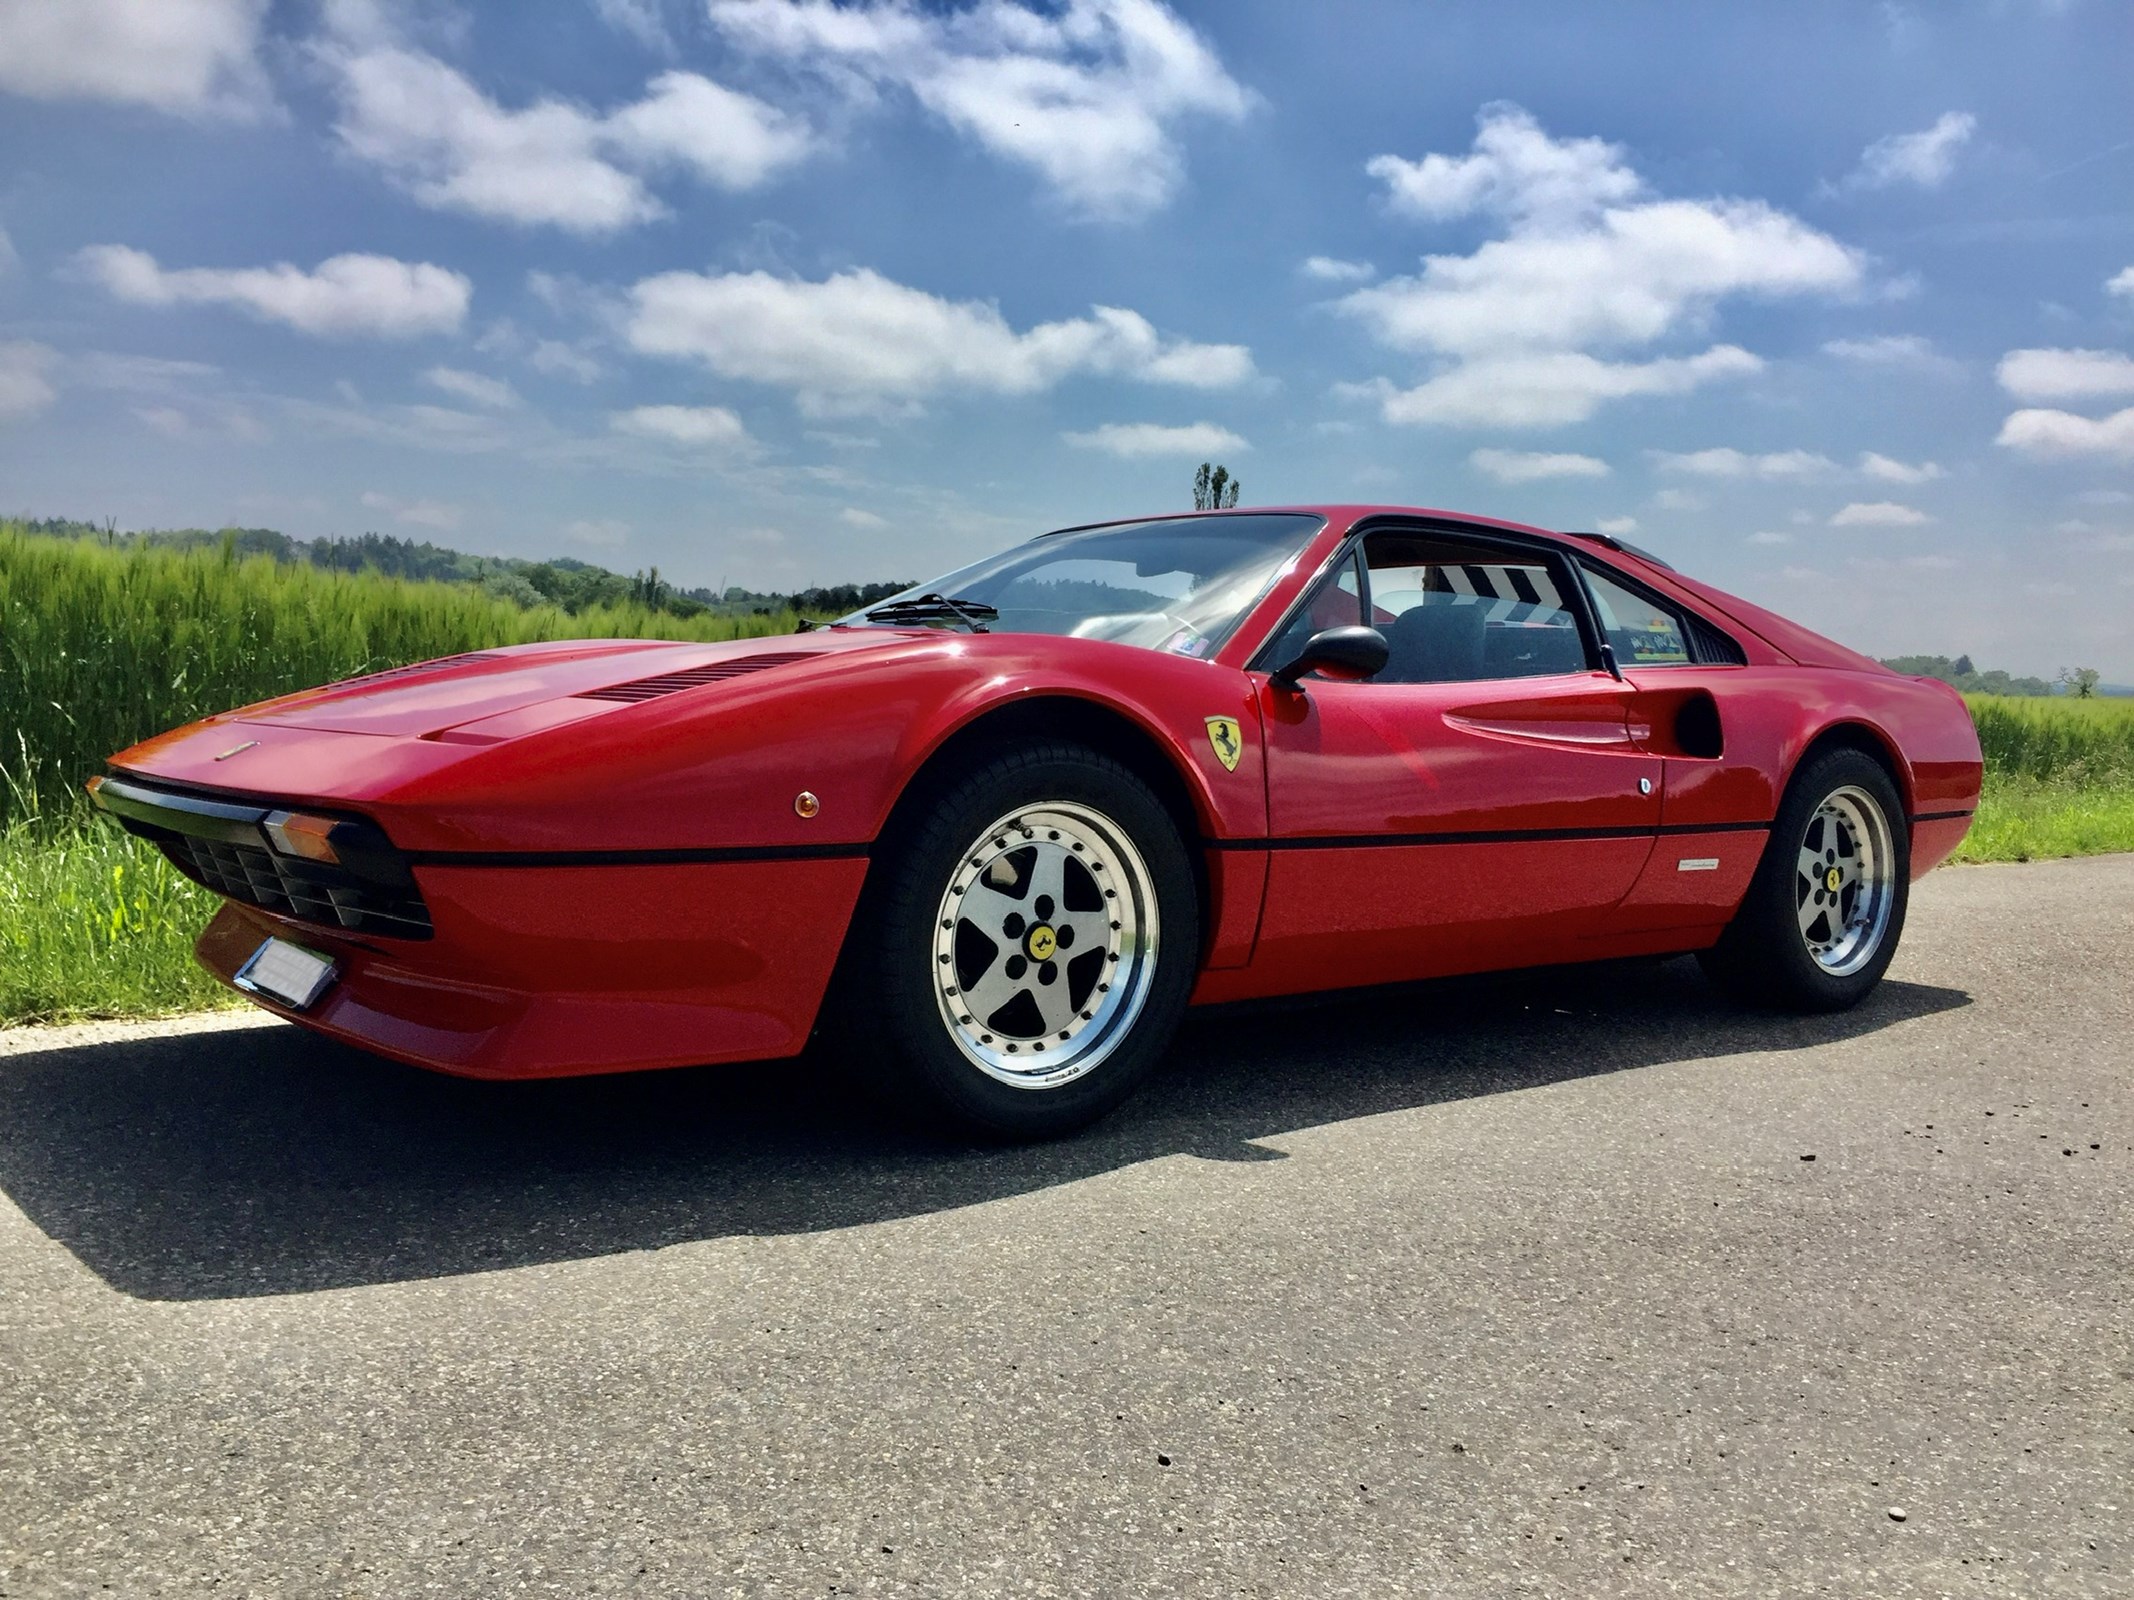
(1349, 652)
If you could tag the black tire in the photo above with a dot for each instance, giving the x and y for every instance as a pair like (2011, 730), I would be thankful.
(890, 1029)
(1765, 959)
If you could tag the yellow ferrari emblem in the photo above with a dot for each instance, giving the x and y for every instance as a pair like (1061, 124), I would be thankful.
(1228, 740)
(1832, 879)
(1042, 943)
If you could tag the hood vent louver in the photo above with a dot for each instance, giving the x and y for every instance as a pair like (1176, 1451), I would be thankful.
(690, 678)
(414, 667)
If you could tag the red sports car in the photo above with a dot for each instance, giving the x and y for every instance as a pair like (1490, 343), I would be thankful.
(998, 832)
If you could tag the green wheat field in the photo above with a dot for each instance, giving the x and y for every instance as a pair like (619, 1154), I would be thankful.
(100, 647)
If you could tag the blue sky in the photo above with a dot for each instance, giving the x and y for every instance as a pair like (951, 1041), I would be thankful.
(1830, 303)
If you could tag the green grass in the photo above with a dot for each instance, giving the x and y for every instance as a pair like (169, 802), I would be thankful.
(2059, 778)
(2023, 821)
(2083, 743)
(94, 923)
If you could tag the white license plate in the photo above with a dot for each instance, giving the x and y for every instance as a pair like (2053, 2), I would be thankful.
(286, 972)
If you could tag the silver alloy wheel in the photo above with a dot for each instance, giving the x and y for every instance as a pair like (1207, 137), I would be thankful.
(1844, 884)
(1045, 944)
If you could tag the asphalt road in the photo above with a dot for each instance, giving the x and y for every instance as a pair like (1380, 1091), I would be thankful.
(1520, 1287)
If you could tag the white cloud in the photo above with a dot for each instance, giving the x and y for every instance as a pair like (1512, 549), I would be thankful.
(1616, 525)
(1777, 467)
(9, 260)
(700, 427)
(552, 163)
(2057, 435)
(560, 360)
(1889, 350)
(1541, 390)
(1587, 261)
(855, 517)
(473, 386)
(2121, 283)
(344, 296)
(642, 20)
(1770, 537)
(727, 139)
(1680, 500)
(605, 532)
(1925, 158)
(1137, 440)
(169, 421)
(1328, 269)
(1085, 94)
(416, 427)
(858, 341)
(25, 389)
(1526, 466)
(1878, 514)
(192, 57)
(416, 513)
(1891, 471)
(142, 374)
(2104, 497)
(1515, 170)
(1575, 267)
(2065, 374)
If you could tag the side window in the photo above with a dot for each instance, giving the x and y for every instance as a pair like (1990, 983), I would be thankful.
(1336, 601)
(1643, 631)
(1456, 612)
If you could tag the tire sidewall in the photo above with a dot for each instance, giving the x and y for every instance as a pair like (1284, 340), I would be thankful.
(924, 858)
(1773, 940)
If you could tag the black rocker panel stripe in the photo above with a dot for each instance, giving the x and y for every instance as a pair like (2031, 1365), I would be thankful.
(636, 858)
(1364, 841)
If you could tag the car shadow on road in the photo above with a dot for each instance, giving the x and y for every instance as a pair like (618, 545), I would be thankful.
(268, 1161)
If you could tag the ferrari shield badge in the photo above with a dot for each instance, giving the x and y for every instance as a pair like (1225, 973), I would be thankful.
(1228, 740)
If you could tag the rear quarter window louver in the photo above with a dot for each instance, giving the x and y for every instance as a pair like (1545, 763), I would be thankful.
(1712, 646)
(690, 677)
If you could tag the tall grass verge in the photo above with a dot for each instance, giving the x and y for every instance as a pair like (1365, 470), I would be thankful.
(2059, 778)
(100, 648)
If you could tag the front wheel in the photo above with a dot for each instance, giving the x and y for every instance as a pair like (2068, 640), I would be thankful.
(1822, 917)
(1031, 946)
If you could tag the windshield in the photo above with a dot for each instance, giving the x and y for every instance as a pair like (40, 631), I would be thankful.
(1181, 584)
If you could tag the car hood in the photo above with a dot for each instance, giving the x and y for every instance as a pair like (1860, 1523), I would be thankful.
(493, 694)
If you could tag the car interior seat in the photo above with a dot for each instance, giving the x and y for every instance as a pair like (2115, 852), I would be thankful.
(1439, 641)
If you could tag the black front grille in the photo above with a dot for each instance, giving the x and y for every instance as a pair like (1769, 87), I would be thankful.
(309, 891)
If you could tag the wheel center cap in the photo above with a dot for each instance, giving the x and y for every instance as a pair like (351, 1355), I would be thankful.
(1040, 942)
(1833, 879)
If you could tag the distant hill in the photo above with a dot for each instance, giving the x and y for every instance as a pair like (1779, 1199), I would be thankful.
(561, 581)
(1968, 678)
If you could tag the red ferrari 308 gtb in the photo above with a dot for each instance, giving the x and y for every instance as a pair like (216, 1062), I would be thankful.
(1001, 830)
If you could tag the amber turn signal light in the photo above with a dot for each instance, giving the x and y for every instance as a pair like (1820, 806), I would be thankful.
(295, 834)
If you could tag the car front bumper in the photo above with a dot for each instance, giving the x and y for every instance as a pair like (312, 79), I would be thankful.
(539, 972)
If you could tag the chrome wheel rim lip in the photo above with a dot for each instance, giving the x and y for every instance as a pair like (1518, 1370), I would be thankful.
(1844, 881)
(1058, 832)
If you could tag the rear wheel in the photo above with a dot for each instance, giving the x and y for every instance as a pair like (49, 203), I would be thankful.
(1030, 946)
(1820, 923)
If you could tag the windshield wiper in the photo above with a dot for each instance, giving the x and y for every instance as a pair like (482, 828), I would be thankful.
(973, 614)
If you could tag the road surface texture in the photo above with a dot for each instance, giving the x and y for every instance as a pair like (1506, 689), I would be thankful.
(1562, 1285)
